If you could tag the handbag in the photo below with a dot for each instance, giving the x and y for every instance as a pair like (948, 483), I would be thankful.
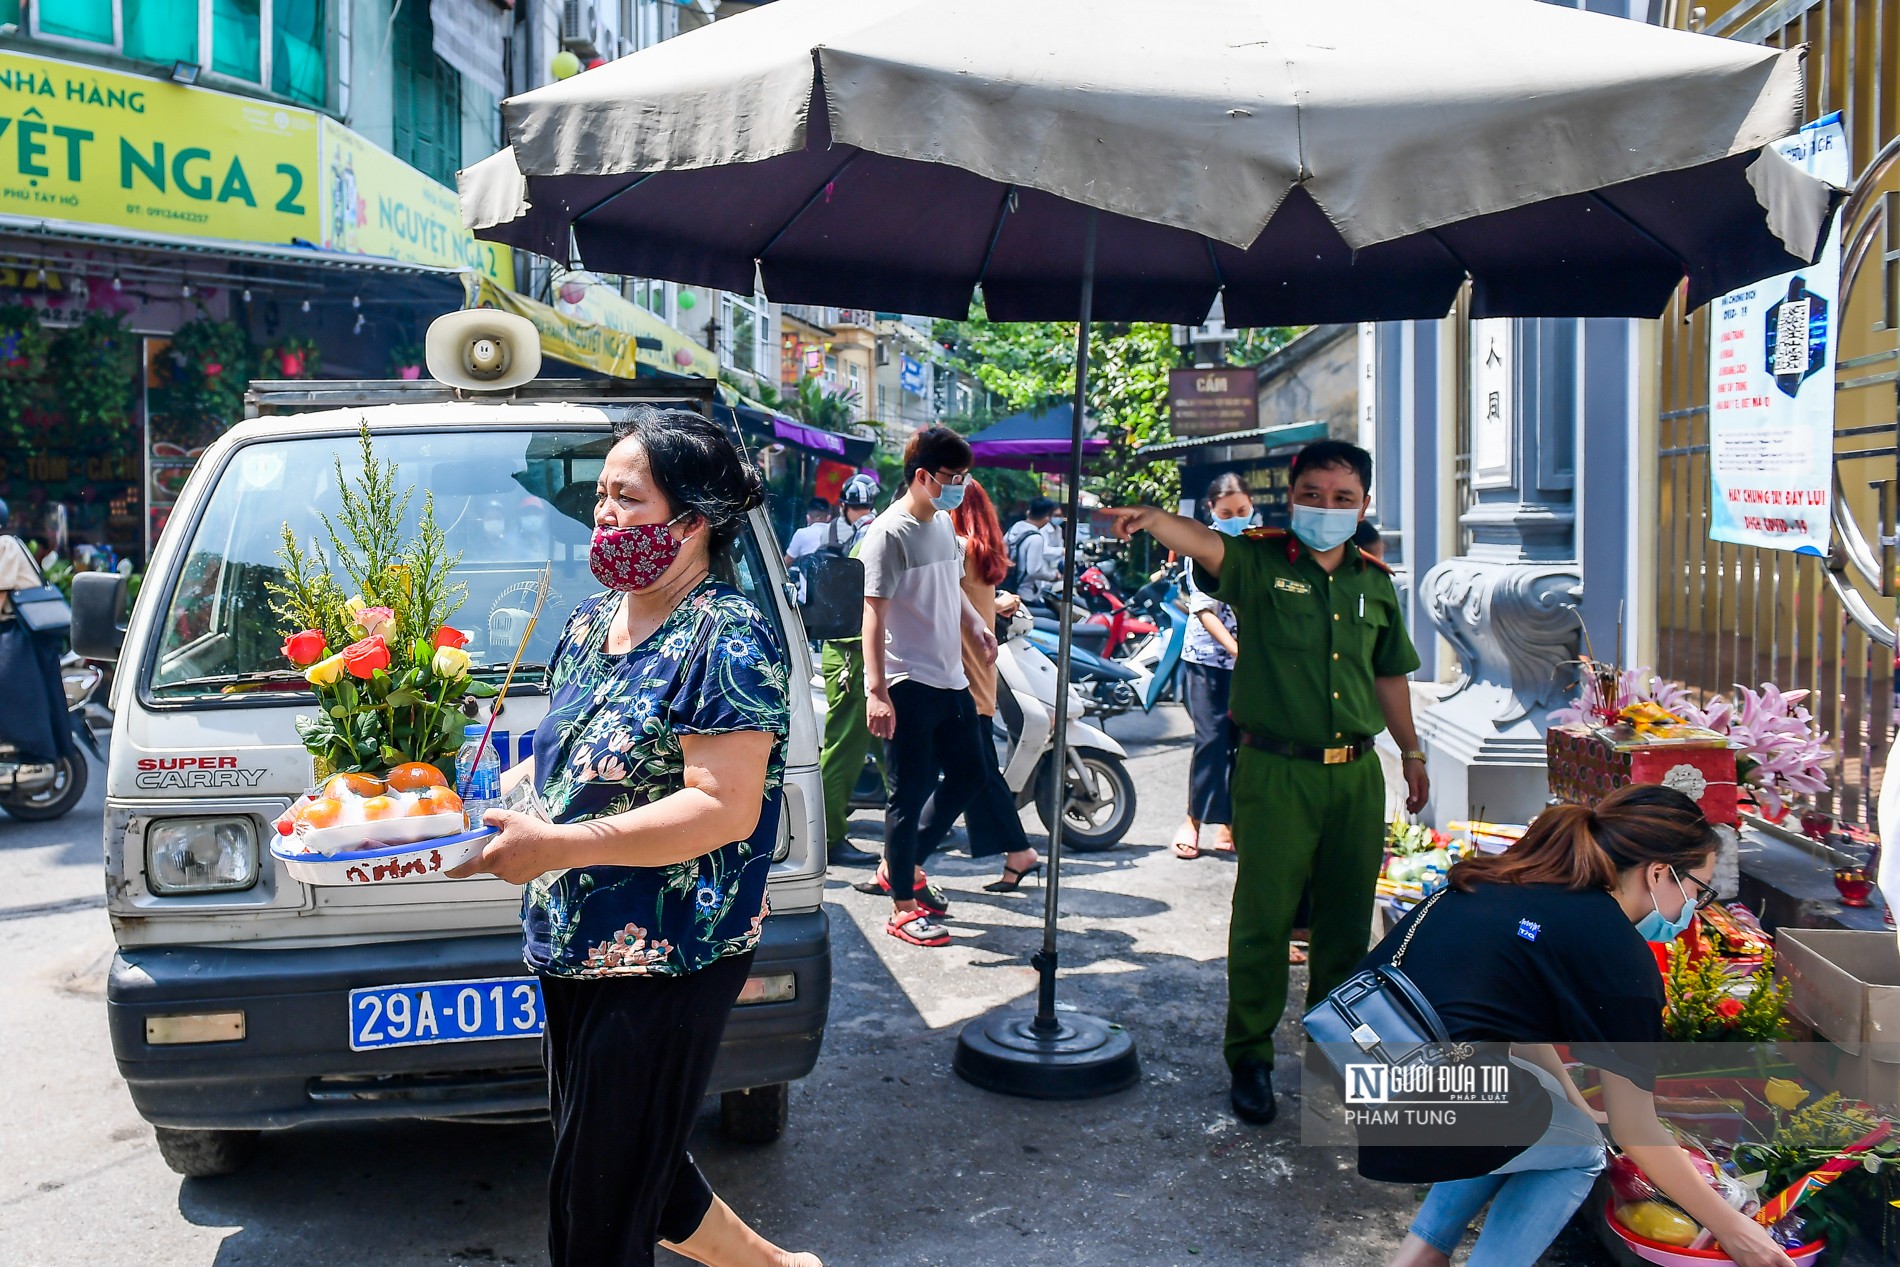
(43, 609)
(1379, 1017)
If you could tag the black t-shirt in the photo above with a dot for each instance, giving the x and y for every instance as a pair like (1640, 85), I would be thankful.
(1522, 963)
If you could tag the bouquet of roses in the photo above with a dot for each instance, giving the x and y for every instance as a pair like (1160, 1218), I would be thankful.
(389, 672)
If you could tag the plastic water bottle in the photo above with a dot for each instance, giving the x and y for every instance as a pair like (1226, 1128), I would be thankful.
(478, 782)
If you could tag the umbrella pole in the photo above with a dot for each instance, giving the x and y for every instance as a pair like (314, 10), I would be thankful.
(1071, 1055)
(1045, 961)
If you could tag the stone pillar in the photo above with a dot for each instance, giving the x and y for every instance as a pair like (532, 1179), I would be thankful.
(1508, 606)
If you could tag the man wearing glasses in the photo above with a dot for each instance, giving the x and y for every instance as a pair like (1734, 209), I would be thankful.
(917, 697)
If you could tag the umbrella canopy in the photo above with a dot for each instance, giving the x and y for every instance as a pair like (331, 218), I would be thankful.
(1033, 439)
(1311, 162)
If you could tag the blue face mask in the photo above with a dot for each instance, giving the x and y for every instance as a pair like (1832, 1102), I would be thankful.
(949, 496)
(1232, 527)
(1323, 527)
(1654, 927)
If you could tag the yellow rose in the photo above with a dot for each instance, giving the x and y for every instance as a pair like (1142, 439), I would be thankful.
(1785, 1094)
(354, 605)
(325, 672)
(449, 662)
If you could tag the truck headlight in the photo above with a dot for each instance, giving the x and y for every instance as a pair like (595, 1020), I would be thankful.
(200, 855)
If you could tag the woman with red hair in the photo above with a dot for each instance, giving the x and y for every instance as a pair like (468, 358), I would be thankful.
(994, 825)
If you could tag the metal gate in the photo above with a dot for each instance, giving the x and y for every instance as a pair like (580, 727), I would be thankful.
(1731, 614)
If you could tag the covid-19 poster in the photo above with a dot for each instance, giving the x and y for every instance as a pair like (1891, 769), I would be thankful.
(1771, 385)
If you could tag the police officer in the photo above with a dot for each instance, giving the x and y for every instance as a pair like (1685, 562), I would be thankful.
(1321, 669)
(847, 736)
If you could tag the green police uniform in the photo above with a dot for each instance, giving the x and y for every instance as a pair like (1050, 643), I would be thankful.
(1311, 645)
(847, 733)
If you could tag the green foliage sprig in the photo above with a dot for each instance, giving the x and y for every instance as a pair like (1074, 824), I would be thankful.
(1813, 1135)
(389, 682)
(1705, 1006)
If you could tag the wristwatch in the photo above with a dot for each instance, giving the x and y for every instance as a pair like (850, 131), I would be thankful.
(1412, 756)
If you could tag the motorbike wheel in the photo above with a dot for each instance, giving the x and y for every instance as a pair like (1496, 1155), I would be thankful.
(68, 788)
(1090, 826)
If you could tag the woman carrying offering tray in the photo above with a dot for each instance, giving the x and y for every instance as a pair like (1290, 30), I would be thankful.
(659, 764)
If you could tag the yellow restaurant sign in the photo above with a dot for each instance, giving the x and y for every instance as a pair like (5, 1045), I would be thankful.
(376, 204)
(146, 155)
(635, 339)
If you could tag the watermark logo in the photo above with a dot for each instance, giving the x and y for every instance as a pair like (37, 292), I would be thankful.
(1368, 1084)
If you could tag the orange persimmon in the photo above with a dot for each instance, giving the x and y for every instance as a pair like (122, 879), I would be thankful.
(412, 776)
(342, 785)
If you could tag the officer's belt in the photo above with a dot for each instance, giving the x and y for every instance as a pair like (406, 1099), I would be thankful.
(1306, 752)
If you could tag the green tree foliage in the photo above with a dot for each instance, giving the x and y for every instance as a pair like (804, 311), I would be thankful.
(1032, 364)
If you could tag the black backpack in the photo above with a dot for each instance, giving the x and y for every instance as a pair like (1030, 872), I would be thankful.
(833, 605)
(1013, 579)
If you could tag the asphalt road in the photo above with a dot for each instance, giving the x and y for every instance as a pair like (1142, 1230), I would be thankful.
(890, 1158)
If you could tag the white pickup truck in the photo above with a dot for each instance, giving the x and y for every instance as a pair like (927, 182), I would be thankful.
(242, 1000)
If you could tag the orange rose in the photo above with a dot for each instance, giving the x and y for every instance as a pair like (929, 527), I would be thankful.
(363, 658)
(304, 648)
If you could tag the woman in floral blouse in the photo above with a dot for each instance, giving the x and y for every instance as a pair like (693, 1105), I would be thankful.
(659, 763)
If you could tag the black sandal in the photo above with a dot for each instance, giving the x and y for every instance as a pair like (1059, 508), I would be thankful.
(1012, 878)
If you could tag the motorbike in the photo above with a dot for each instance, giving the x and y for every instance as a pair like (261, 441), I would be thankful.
(1104, 624)
(33, 792)
(1145, 674)
(1099, 793)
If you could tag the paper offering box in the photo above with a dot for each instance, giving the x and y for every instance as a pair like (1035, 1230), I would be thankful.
(1586, 766)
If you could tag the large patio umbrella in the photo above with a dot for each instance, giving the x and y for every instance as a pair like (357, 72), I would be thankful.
(1106, 159)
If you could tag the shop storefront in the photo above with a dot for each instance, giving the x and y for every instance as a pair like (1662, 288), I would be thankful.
(161, 245)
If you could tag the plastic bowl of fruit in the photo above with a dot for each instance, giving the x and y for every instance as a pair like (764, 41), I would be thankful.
(362, 829)
(1653, 1251)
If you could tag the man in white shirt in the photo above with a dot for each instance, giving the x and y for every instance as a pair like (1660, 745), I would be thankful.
(812, 536)
(1031, 555)
(917, 697)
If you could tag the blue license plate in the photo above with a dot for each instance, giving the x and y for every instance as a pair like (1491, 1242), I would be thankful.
(445, 1012)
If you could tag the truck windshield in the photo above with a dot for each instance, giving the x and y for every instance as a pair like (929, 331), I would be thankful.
(508, 501)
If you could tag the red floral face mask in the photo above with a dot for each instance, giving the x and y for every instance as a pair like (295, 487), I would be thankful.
(633, 558)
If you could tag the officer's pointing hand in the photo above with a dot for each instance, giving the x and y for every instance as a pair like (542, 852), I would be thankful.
(1129, 520)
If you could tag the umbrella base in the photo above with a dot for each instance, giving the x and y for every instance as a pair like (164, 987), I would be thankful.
(1083, 1057)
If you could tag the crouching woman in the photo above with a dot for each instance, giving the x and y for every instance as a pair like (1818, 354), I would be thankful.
(1546, 944)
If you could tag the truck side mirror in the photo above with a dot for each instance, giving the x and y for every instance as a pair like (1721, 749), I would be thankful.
(98, 631)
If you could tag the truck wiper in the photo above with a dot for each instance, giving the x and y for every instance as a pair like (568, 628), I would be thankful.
(234, 683)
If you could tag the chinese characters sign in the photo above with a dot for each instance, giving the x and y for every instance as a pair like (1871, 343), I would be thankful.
(1771, 386)
(1493, 400)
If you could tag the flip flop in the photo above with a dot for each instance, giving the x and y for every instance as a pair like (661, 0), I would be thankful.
(1296, 952)
(917, 928)
(1185, 849)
